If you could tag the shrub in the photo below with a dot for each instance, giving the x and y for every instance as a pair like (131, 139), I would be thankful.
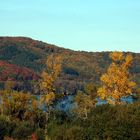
(40, 133)
(22, 131)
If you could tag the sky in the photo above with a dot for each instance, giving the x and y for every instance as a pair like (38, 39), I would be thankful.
(88, 25)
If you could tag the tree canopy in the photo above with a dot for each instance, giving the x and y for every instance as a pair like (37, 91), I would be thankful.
(116, 82)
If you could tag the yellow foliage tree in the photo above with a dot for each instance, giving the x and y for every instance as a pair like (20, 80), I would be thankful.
(49, 76)
(116, 82)
(14, 104)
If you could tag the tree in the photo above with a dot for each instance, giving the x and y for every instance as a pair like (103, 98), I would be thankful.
(85, 101)
(49, 76)
(116, 82)
(14, 104)
(19, 105)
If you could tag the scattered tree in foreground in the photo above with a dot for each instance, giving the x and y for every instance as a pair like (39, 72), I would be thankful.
(85, 101)
(49, 76)
(116, 82)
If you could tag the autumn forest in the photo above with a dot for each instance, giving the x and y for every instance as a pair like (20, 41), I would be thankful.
(52, 93)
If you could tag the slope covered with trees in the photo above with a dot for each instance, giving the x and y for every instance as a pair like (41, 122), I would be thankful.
(78, 67)
(11, 72)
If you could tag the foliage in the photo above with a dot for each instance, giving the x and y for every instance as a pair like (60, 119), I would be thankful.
(117, 82)
(20, 78)
(22, 131)
(21, 113)
(40, 133)
(137, 93)
(77, 67)
(21, 106)
(13, 72)
(104, 122)
(49, 77)
(84, 104)
(85, 101)
(3, 127)
(14, 103)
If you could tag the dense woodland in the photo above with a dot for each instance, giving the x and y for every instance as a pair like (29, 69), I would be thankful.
(77, 67)
(35, 77)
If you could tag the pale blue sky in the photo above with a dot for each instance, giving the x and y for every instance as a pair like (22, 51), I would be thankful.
(91, 25)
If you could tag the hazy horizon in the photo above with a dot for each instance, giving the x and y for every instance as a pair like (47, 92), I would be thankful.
(86, 26)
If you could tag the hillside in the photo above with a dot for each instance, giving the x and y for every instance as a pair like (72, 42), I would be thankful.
(78, 67)
(11, 72)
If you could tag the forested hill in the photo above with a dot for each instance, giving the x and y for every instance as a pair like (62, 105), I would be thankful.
(78, 67)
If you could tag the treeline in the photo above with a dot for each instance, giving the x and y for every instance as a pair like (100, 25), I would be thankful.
(78, 68)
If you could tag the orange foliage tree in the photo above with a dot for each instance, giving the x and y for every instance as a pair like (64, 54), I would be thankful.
(116, 82)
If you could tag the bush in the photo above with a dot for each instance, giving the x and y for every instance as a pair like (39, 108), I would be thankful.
(105, 122)
(119, 122)
(40, 133)
(3, 128)
(22, 131)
